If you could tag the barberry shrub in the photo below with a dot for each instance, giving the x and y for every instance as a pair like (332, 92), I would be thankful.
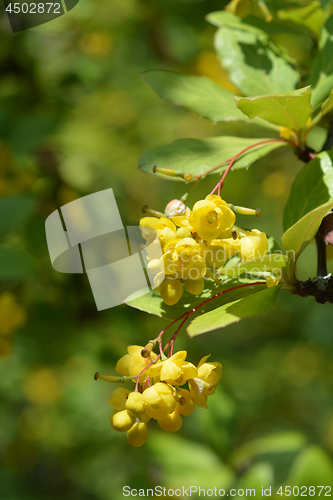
(212, 272)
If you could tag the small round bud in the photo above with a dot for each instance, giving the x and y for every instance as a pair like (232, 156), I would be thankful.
(145, 353)
(188, 177)
(144, 209)
(121, 421)
(174, 208)
(258, 212)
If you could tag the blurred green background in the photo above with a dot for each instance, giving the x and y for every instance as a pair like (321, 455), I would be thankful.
(75, 116)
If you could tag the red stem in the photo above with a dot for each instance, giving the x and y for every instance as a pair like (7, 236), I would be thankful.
(185, 316)
(234, 158)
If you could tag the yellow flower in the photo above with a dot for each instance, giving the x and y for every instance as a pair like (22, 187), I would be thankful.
(159, 400)
(217, 252)
(195, 287)
(118, 398)
(184, 261)
(171, 423)
(211, 217)
(137, 435)
(170, 289)
(272, 280)
(133, 363)
(209, 375)
(185, 404)
(174, 370)
(149, 224)
(122, 421)
(135, 404)
(253, 245)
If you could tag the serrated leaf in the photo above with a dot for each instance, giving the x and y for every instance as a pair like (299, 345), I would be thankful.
(15, 264)
(198, 93)
(265, 264)
(297, 237)
(196, 156)
(312, 467)
(312, 187)
(153, 304)
(256, 302)
(254, 64)
(310, 16)
(280, 442)
(288, 109)
(14, 210)
(321, 76)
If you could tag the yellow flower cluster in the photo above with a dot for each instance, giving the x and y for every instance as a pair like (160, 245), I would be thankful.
(195, 241)
(160, 394)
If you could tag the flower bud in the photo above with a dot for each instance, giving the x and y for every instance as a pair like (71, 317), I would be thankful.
(171, 423)
(118, 398)
(135, 404)
(121, 421)
(137, 435)
(175, 207)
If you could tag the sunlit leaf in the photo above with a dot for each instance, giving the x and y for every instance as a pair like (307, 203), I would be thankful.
(153, 304)
(252, 63)
(297, 237)
(309, 15)
(265, 264)
(256, 302)
(312, 187)
(196, 156)
(289, 109)
(198, 93)
(321, 76)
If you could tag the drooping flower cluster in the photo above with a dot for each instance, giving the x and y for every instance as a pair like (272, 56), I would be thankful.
(195, 243)
(166, 390)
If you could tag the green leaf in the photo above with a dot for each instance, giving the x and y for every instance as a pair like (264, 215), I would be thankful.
(226, 18)
(15, 264)
(252, 23)
(310, 16)
(254, 64)
(327, 105)
(256, 302)
(153, 304)
(312, 187)
(265, 264)
(198, 93)
(297, 237)
(289, 109)
(260, 475)
(14, 210)
(321, 76)
(312, 467)
(189, 463)
(196, 156)
(280, 442)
